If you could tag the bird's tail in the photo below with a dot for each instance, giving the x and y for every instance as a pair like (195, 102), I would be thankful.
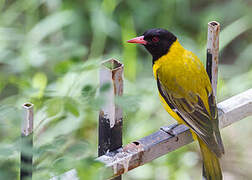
(211, 164)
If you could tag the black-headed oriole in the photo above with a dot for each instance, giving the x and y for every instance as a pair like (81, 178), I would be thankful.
(186, 93)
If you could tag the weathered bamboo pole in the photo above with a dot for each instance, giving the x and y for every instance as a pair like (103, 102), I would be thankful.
(110, 117)
(213, 53)
(26, 143)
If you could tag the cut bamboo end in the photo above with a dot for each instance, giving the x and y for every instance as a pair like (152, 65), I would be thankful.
(112, 64)
(27, 123)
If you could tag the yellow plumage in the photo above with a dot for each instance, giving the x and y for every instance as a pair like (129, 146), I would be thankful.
(183, 76)
(174, 68)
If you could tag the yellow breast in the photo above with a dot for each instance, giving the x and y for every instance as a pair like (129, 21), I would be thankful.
(183, 74)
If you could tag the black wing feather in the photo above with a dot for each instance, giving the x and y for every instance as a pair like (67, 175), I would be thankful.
(197, 118)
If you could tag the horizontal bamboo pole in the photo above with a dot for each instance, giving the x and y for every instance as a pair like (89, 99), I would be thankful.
(160, 143)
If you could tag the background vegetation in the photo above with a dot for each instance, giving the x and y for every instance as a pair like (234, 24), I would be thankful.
(50, 52)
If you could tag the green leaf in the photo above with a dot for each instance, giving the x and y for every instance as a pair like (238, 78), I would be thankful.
(54, 106)
(72, 106)
(63, 66)
(39, 81)
(50, 25)
(88, 91)
(78, 149)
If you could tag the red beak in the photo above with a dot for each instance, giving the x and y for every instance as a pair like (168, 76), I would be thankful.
(138, 40)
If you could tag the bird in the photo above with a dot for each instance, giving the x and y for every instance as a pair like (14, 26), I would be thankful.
(186, 94)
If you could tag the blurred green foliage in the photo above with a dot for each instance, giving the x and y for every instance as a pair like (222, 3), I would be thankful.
(50, 52)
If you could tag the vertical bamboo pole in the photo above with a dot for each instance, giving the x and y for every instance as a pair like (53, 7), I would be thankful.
(26, 143)
(213, 53)
(212, 60)
(110, 117)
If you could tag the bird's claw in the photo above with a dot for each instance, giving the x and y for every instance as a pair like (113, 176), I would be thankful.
(169, 129)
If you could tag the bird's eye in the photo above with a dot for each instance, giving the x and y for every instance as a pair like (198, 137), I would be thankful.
(155, 39)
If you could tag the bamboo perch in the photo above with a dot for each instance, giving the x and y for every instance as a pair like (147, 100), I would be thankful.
(160, 143)
(26, 143)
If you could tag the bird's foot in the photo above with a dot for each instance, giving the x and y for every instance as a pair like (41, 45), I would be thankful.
(169, 129)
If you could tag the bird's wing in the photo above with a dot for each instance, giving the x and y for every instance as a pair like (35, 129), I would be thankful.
(196, 116)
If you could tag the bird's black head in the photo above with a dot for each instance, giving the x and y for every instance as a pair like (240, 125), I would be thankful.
(156, 41)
